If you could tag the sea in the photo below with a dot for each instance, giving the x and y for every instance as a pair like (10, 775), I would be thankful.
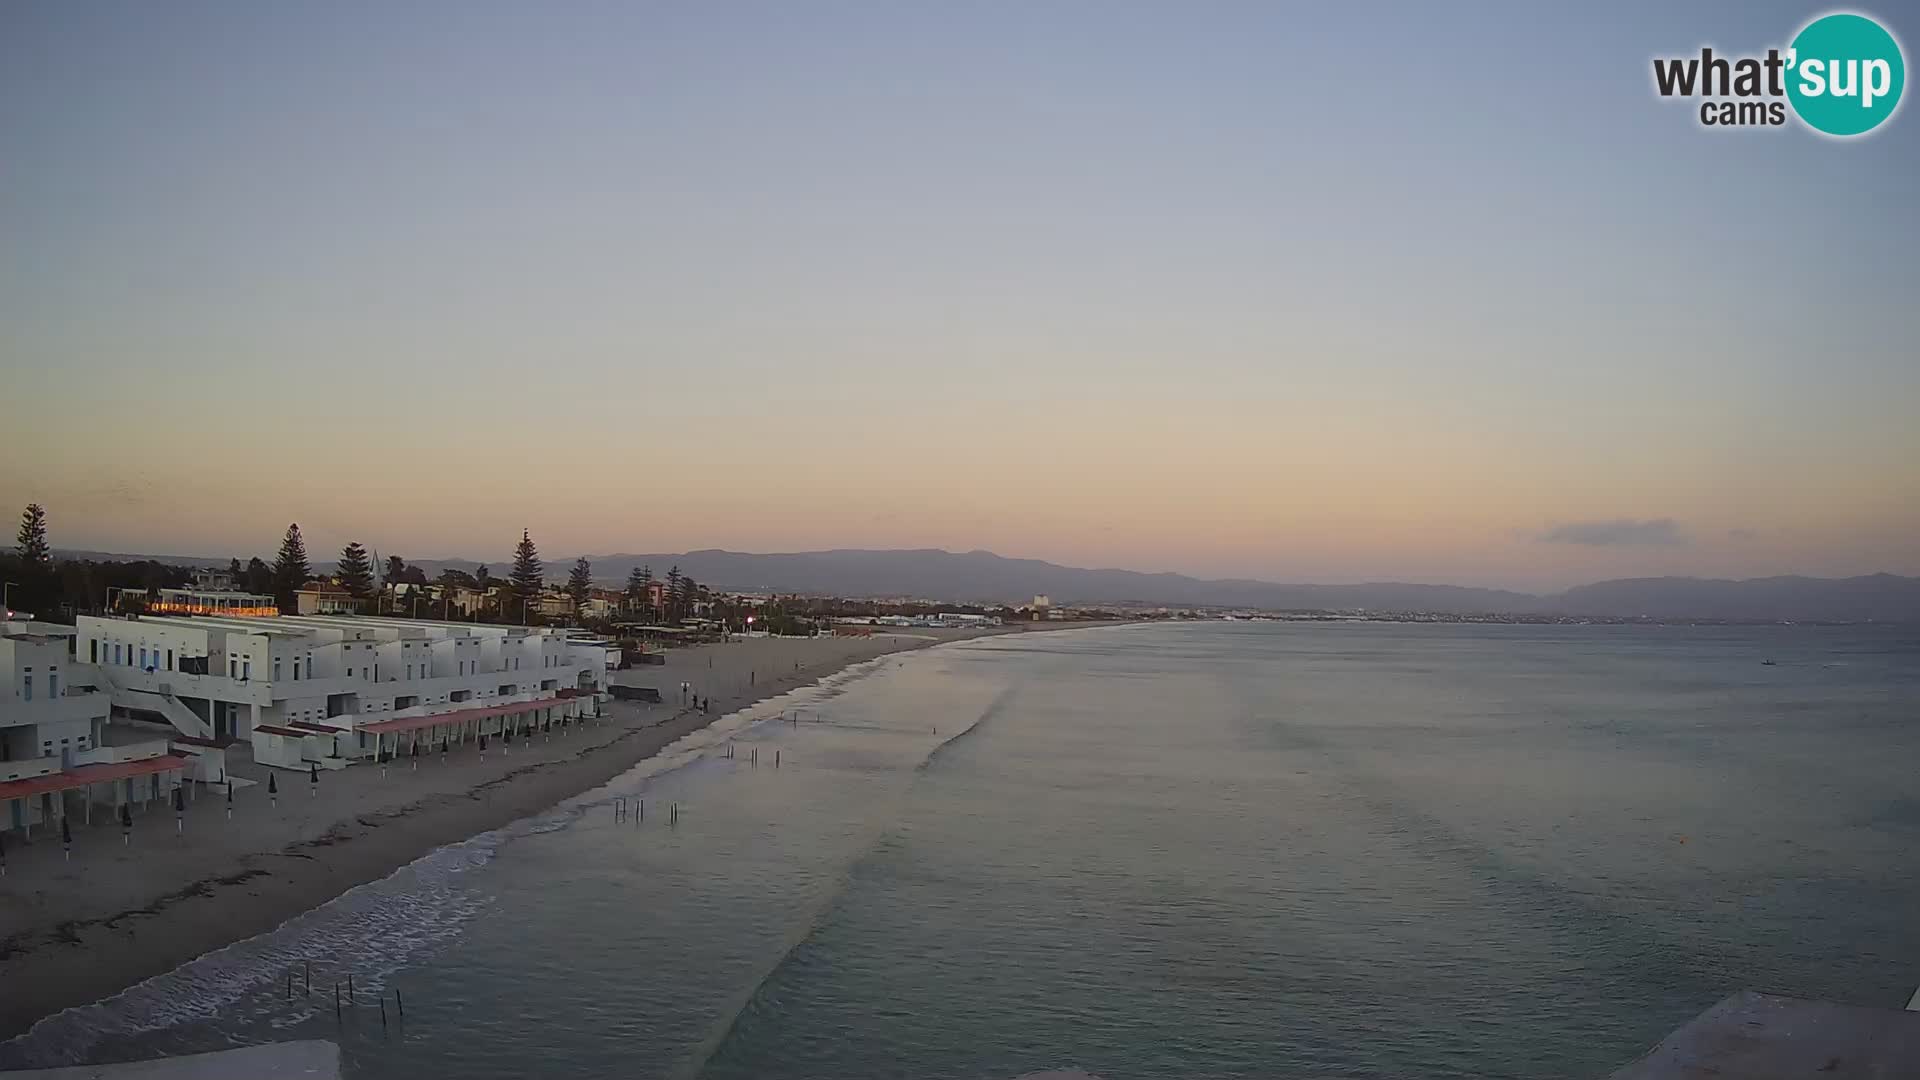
(1225, 849)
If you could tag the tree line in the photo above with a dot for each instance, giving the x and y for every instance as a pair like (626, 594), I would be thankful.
(36, 582)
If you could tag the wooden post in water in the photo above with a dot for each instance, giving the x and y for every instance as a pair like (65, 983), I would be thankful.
(349, 989)
(383, 1012)
(400, 1002)
(309, 978)
(776, 759)
(289, 984)
(336, 1001)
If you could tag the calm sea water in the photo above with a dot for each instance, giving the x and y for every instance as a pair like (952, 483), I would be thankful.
(1236, 849)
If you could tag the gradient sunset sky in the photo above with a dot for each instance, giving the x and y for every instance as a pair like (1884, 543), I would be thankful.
(1302, 292)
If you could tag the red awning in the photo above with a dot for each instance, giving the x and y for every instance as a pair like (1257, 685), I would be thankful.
(287, 732)
(90, 774)
(460, 716)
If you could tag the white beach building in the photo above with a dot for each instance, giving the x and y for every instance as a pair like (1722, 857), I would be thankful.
(53, 721)
(325, 690)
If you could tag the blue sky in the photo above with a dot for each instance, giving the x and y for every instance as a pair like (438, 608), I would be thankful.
(1316, 292)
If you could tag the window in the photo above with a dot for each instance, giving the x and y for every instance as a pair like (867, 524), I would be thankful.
(93, 650)
(143, 657)
(116, 652)
(26, 683)
(53, 685)
(233, 667)
(246, 670)
(309, 667)
(409, 672)
(276, 669)
(169, 659)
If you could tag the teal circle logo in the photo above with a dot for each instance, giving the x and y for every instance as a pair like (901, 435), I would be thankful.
(1845, 74)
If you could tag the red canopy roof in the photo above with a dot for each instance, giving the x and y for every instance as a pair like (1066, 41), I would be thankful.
(458, 716)
(91, 774)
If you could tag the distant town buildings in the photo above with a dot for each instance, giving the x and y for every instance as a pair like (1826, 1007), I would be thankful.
(321, 598)
(212, 593)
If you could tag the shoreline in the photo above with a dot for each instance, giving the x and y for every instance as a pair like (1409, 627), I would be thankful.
(81, 931)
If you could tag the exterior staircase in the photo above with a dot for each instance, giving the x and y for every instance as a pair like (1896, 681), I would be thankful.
(175, 711)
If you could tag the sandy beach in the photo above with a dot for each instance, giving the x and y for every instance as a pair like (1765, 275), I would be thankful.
(75, 931)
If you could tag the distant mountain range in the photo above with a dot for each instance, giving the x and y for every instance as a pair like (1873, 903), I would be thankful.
(983, 577)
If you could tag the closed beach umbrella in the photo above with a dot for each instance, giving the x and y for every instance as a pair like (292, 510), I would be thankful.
(126, 824)
(66, 837)
(313, 778)
(273, 791)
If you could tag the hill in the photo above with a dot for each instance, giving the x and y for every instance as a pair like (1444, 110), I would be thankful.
(986, 578)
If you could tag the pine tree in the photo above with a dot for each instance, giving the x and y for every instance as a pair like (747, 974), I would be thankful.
(233, 571)
(396, 568)
(636, 589)
(356, 571)
(526, 576)
(33, 537)
(481, 580)
(290, 569)
(673, 593)
(689, 592)
(580, 582)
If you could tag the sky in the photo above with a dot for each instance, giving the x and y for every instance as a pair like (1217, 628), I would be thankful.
(1299, 292)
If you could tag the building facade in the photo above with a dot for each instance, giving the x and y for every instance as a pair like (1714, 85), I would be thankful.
(46, 716)
(222, 678)
(52, 727)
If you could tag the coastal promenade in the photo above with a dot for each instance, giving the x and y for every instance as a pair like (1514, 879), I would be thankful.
(123, 909)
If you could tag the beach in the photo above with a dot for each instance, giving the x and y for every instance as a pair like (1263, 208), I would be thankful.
(72, 932)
